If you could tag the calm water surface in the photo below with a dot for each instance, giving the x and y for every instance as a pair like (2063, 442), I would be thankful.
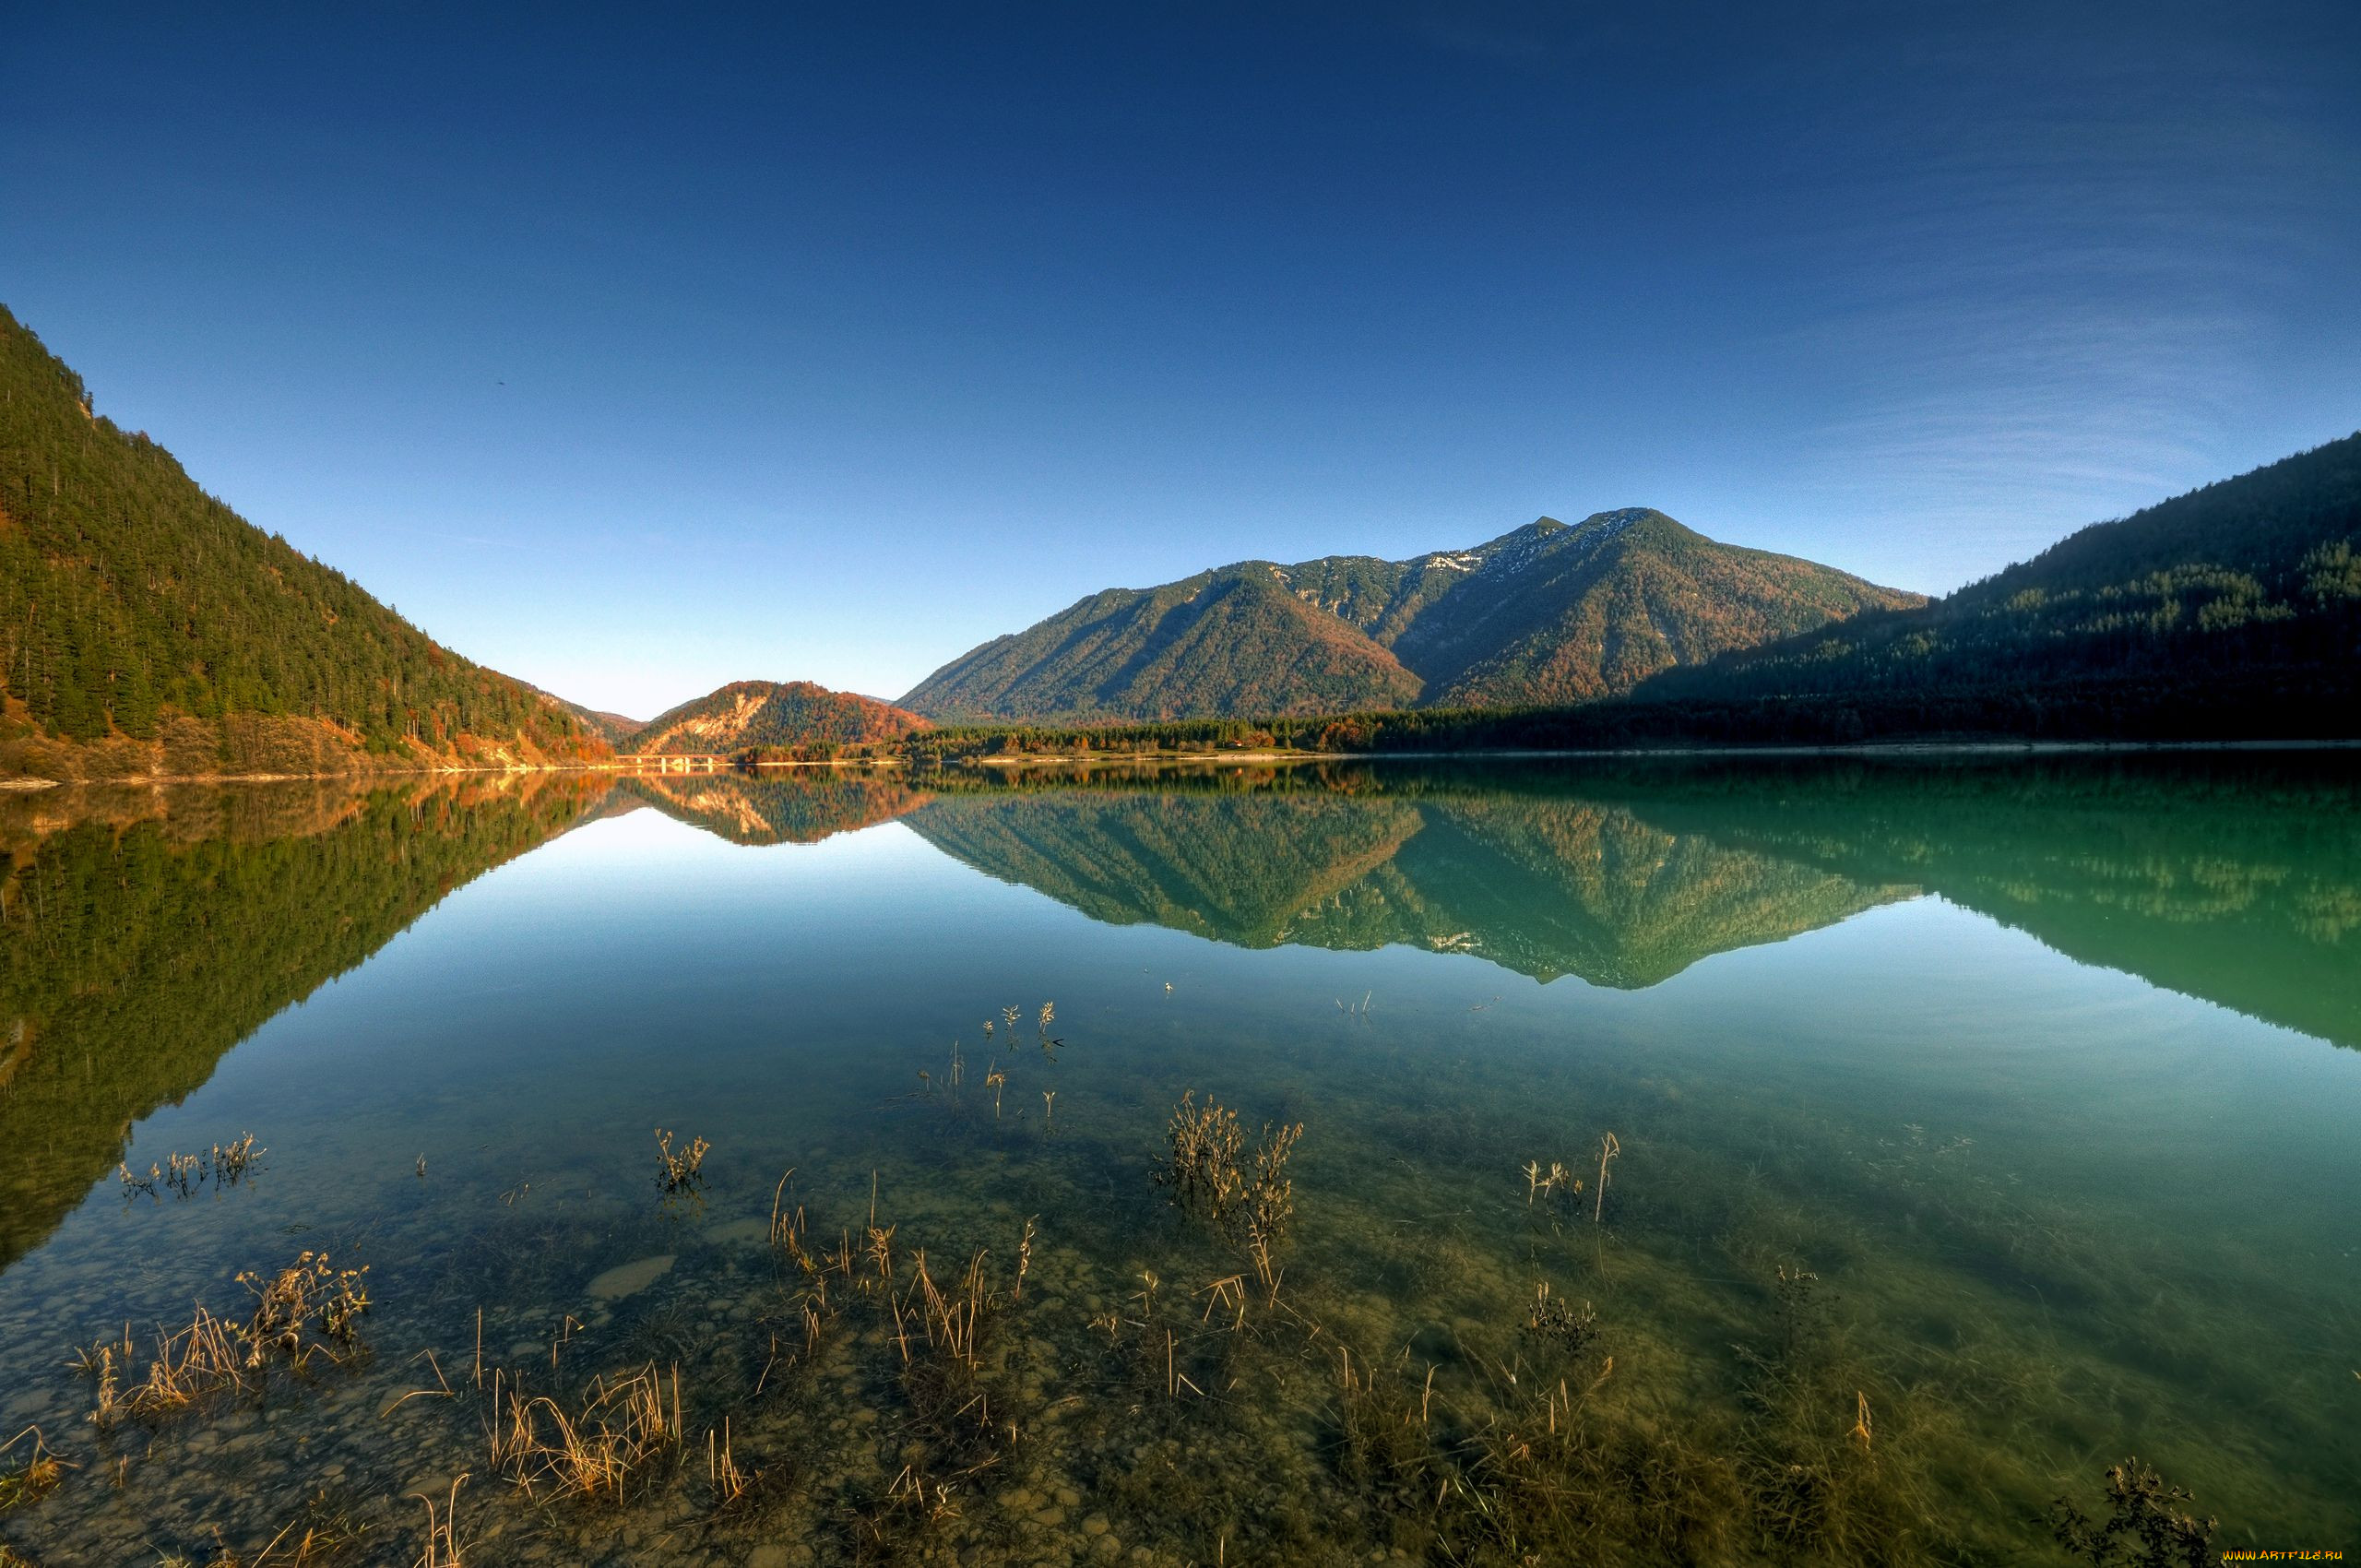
(1977, 1126)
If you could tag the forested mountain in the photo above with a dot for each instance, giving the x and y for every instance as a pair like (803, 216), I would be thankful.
(147, 628)
(612, 728)
(2254, 580)
(1546, 613)
(790, 719)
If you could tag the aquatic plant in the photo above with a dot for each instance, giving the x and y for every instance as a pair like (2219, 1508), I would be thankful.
(1540, 1185)
(1816, 1484)
(2146, 1526)
(732, 1485)
(1201, 1167)
(308, 1295)
(683, 1171)
(1608, 1150)
(442, 1549)
(329, 1530)
(1552, 1321)
(1203, 1172)
(220, 1167)
(309, 1308)
(34, 1478)
(592, 1451)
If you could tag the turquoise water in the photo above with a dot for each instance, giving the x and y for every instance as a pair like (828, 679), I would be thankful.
(2045, 1073)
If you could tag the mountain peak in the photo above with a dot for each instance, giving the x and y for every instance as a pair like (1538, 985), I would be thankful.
(1547, 613)
(791, 715)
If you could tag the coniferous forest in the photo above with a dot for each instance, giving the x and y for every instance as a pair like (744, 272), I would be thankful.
(150, 627)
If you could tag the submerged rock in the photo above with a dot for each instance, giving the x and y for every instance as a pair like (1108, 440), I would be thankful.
(630, 1279)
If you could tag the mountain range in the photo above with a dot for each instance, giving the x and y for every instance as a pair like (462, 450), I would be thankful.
(2231, 613)
(1548, 613)
(148, 631)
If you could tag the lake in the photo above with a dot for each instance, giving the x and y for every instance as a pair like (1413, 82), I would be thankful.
(1717, 1161)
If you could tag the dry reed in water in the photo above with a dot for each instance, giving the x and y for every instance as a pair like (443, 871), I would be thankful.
(308, 1309)
(591, 1451)
(442, 1549)
(729, 1483)
(685, 1169)
(223, 1165)
(35, 1478)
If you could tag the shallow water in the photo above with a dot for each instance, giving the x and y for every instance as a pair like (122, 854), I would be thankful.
(2045, 1073)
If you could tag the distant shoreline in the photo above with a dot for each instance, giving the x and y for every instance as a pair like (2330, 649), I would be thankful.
(1865, 748)
(1868, 748)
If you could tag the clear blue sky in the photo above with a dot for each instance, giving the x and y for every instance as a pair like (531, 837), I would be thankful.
(636, 351)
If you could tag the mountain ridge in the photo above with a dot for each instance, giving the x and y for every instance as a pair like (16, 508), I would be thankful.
(796, 717)
(146, 630)
(1547, 613)
(2257, 572)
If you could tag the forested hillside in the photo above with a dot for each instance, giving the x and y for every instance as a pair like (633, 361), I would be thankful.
(2230, 613)
(777, 721)
(2252, 582)
(1232, 641)
(145, 627)
(1546, 613)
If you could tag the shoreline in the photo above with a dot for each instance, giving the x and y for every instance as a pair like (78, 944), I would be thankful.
(1865, 748)
(28, 784)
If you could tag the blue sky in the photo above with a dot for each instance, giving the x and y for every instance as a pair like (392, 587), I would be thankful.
(632, 352)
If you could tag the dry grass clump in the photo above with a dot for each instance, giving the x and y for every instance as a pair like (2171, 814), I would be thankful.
(35, 1477)
(593, 1451)
(1205, 1176)
(442, 1548)
(682, 1170)
(223, 1165)
(304, 1309)
(308, 1309)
